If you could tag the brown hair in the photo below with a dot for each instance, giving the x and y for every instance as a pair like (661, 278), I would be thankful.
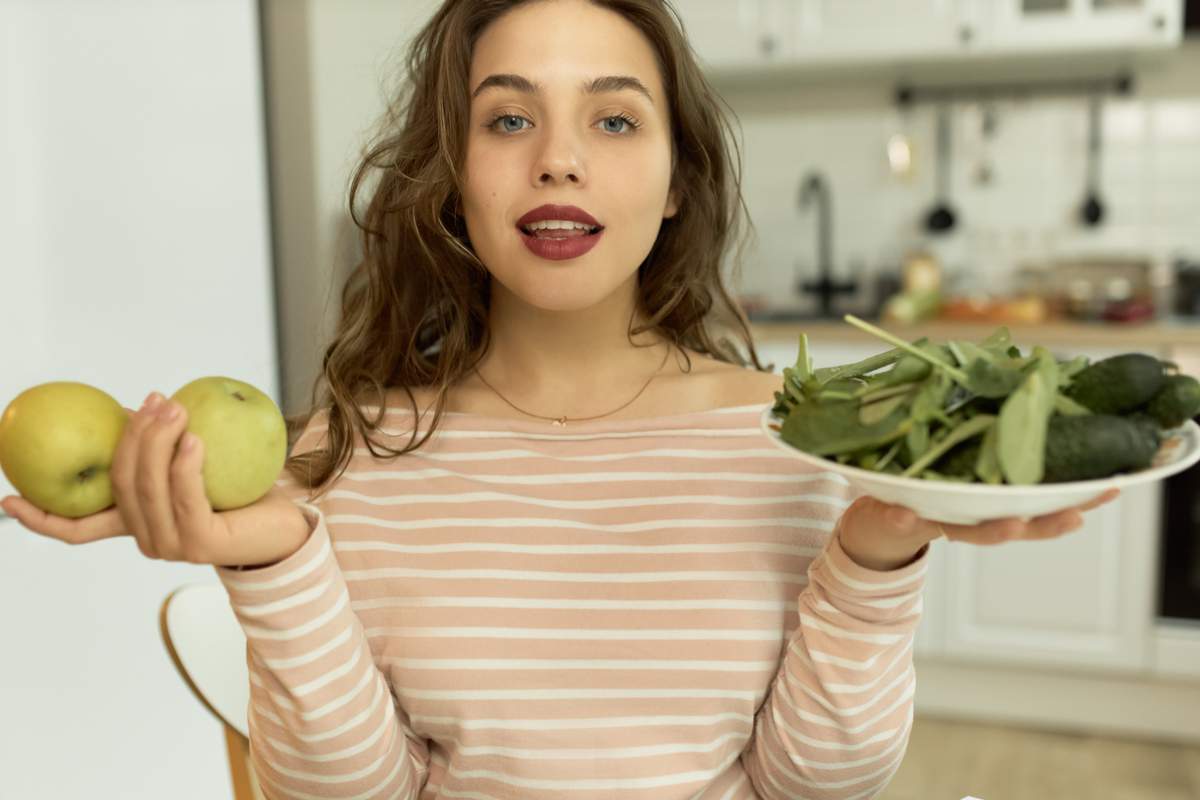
(414, 309)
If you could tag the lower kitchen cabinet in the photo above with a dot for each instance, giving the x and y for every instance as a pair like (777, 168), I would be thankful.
(1083, 600)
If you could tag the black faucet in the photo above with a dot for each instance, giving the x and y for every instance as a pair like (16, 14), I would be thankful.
(825, 287)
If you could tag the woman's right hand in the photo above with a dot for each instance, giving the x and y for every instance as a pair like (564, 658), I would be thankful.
(160, 501)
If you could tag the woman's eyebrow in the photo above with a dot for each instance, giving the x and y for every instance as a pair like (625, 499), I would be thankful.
(605, 83)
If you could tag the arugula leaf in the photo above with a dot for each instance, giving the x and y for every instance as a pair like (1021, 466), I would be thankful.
(866, 365)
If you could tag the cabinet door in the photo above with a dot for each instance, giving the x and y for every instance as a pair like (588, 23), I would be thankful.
(1082, 600)
(870, 30)
(732, 34)
(1013, 26)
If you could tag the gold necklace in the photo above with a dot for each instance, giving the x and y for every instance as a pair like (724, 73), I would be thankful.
(562, 421)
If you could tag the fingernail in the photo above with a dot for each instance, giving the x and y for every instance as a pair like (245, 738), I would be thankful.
(170, 411)
(152, 400)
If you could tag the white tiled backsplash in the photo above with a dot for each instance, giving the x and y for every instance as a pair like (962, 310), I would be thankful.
(1149, 178)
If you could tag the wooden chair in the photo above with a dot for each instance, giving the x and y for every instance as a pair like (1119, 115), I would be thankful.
(208, 647)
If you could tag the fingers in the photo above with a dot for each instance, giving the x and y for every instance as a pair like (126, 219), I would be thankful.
(156, 450)
(124, 474)
(987, 533)
(998, 531)
(1108, 496)
(194, 516)
(103, 525)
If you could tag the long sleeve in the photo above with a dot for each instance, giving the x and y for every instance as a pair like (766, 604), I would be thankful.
(836, 721)
(322, 720)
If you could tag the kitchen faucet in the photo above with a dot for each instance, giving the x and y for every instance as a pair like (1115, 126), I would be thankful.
(825, 287)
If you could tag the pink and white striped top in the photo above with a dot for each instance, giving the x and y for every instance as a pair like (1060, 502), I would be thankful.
(651, 608)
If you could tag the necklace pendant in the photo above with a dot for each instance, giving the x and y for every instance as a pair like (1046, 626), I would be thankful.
(561, 422)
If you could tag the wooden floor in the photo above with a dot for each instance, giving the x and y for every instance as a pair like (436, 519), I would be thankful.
(949, 760)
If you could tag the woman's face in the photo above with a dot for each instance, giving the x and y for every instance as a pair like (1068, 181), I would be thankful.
(564, 145)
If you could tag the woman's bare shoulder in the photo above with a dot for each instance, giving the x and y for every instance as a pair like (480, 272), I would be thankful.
(730, 384)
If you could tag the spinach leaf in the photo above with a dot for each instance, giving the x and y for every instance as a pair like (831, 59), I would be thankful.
(1023, 419)
(987, 463)
(834, 428)
(972, 427)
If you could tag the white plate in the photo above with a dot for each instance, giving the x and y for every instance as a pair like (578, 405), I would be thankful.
(970, 503)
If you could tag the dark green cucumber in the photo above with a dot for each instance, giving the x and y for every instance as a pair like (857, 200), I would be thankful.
(1176, 402)
(1117, 384)
(1090, 446)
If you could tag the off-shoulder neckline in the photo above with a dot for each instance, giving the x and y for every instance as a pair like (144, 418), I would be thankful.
(601, 424)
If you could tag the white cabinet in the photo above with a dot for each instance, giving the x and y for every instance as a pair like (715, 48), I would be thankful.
(1026, 26)
(735, 34)
(744, 36)
(867, 30)
(1081, 600)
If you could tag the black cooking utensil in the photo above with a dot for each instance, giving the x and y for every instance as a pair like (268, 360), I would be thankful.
(1092, 211)
(942, 217)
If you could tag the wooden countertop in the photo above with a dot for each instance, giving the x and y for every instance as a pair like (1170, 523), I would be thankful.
(1168, 333)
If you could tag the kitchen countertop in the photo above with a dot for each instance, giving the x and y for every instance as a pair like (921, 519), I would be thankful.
(1169, 332)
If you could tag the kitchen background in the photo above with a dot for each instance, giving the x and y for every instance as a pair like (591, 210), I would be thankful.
(175, 187)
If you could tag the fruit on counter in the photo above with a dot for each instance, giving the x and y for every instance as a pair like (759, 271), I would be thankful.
(57, 441)
(984, 411)
(1027, 309)
(244, 437)
(911, 307)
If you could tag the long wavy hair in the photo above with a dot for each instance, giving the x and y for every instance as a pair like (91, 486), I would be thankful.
(414, 310)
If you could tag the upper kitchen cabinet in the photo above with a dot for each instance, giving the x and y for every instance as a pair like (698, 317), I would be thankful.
(867, 30)
(731, 35)
(1017, 26)
(792, 37)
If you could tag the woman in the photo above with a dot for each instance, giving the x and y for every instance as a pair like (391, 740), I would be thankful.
(596, 580)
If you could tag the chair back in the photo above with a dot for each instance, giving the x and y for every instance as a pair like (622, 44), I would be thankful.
(208, 647)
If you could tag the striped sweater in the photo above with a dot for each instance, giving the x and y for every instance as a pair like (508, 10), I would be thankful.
(642, 608)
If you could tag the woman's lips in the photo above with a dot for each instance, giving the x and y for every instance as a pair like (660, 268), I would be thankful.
(560, 248)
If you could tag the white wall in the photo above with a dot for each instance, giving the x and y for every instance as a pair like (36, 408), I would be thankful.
(134, 256)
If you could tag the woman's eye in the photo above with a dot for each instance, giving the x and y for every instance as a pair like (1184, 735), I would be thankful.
(621, 120)
(503, 117)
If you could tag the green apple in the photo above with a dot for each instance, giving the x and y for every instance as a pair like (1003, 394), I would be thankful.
(244, 436)
(57, 442)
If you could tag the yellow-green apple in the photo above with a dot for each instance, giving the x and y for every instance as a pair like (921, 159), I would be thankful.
(244, 436)
(57, 442)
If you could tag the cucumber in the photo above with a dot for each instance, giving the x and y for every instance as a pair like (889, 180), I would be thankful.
(1117, 384)
(1090, 446)
(1176, 402)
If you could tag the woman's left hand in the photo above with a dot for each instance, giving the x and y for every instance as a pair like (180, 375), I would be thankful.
(885, 536)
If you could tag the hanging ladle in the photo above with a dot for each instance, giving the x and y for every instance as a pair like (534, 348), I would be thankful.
(1092, 211)
(941, 218)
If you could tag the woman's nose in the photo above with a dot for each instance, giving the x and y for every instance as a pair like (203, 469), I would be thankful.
(559, 160)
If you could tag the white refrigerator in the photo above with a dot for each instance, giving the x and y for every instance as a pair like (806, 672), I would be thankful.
(135, 255)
